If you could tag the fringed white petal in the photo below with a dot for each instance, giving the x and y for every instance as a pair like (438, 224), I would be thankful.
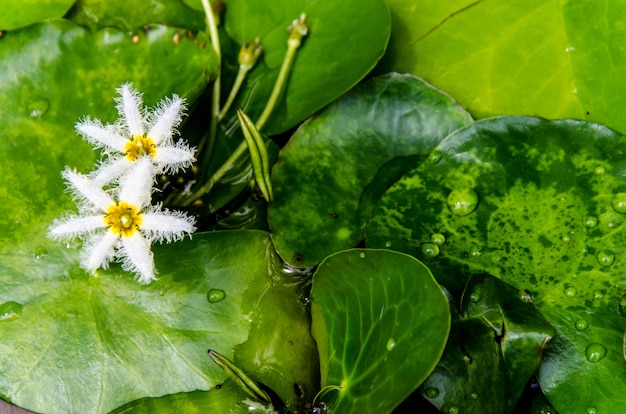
(136, 186)
(110, 170)
(170, 159)
(101, 136)
(137, 257)
(99, 251)
(75, 226)
(165, 118)
(130, 108)
(167, 225)
(85, 189)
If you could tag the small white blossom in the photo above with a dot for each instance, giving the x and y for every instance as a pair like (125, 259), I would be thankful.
(138, 133)
(121, 224)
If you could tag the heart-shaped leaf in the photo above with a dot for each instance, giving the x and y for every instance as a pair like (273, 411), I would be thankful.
(381, 323)
(336, 166)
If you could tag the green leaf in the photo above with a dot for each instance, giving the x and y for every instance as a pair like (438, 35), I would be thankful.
(501, 57)
(20, 13)
(336, 166)
(381, 324)
(546, 217)
(495, 346)
(97, 342)
(227, 399)
(97, 14)
(345, 41)
(53, 74)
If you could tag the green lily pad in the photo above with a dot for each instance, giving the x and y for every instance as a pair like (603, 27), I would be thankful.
(496, 344)
(20, 13)
(345, 40)
(227, 399)
(97, 14)
(53, 74)
(501, 57)
(538, 204)
(337, 165)
(381, 324)
(73, 342)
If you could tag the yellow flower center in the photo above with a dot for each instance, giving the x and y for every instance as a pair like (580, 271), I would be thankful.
(138, 146)
(123, 218)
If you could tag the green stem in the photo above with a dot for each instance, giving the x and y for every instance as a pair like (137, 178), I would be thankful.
(217, 175)
(241, 75)
(215, 104)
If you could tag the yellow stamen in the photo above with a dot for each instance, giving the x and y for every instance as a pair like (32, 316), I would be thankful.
(123, 218)
(138, 146)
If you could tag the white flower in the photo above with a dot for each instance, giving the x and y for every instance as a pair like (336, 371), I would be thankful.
(138, 133)
(120, 225)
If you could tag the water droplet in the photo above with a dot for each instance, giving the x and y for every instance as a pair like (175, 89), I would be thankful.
(474, 297)
(605, 257)
(10, 311)
(526, 296)
(590, 221)
(36, 109)
(432, 392)
(438, 238)
(435, 157)
(566, 238)
(595, 352)
(430, 249)
(599, 170)
(474, 396)
(40, 251)
(362, 255)
(391, 344)
(453, 410)
(387, 244)
(581, 325)
(215, 295)
(622, 305)
(462, 202)
(476, 253)
(570, 292)
(598, 294)
(592, 410)
(619, 203)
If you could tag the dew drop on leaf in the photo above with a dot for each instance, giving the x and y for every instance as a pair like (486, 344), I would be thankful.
(581, 325)
(432, 392)
(463, 201)
(215, 295)
(592, 410)
(595, 352)
(619, 203)
(36, 109)
(434, 157)
(10, 311)
(453, 410)
(605, 257)
(570, 292)
(590, 221)
(430, 249)
(391, 344)
(362, 255)
(438, 238)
